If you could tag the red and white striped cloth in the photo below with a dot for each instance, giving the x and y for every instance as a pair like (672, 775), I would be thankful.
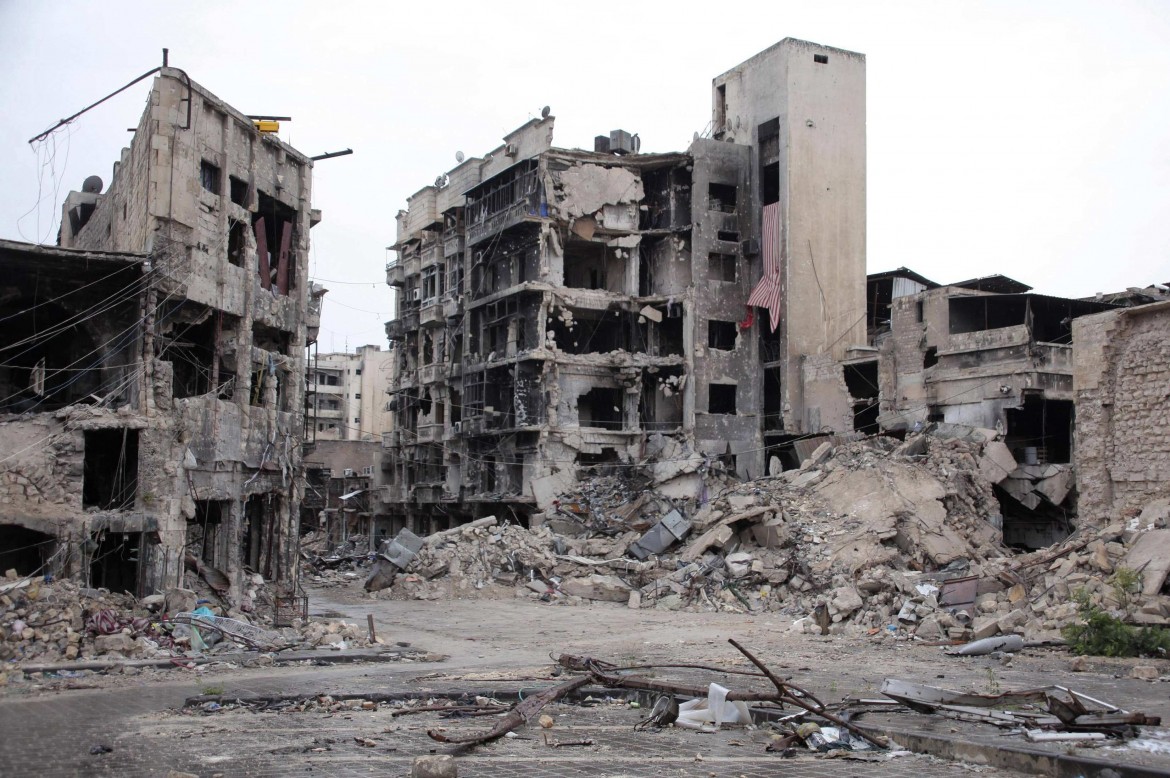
(766, 293)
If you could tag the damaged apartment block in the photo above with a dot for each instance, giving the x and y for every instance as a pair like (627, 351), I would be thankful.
(153, 364)
(564, 313)
(986, 354)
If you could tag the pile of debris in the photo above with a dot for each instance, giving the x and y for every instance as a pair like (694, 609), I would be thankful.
(886, 537)
(54, 621)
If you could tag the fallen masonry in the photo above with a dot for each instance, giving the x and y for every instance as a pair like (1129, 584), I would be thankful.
(791, 718)
(876, 537)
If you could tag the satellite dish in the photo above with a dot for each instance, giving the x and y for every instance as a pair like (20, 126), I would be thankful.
(92, 185)
(544, 112)
(459, 156)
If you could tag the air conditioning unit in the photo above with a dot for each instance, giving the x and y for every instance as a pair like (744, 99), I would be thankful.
(349, 472)
(416, 295)
(457, 427)
(511, 150)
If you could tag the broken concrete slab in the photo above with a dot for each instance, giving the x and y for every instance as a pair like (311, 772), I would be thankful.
(609, 588)
(1150, 554)
(997, 462)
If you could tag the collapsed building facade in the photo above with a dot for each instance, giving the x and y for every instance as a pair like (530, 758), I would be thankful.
(153, 372)
(561, 312)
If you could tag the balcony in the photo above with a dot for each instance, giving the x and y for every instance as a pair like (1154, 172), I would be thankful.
(450, 307)
(430, 433)
(432, 374)
(432, 314)
(453, 244)
(391, 439)
(395, 274)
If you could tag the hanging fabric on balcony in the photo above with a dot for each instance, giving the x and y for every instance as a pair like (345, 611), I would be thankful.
(766, 293)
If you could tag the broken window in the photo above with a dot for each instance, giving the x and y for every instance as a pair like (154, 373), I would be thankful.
(238, 190)
(584, 331)
(721, 398)
(601, 407)
(821, 59)
(593, 265)
(773, 399)
(270, 338)
(862, 381)
(721, 197)
(660, 406)
(989, 312)
(24, 550)
(206, 537)
(209, 176)
(116, 562)
(110, 470)
(1041, 432)
(768, 134)
(191, 346)
(274, 226)
(237, 242)
(770, 345)
(721, 267)
(721, 335)
(727, 236)
(930, 357)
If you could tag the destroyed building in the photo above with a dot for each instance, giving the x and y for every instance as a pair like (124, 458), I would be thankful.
(984, 353)
(154, 362)
(343, 480)
(561, 312)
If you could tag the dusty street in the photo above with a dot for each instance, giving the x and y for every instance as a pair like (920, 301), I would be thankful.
(498, 648)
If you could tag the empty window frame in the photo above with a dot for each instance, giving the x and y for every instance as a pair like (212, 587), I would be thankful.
(721, 399)
(110, 469)
(722, 197)
(721, 335)
(238, 190)
(209, 176)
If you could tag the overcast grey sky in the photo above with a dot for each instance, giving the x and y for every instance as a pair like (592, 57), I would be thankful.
(1025, 138)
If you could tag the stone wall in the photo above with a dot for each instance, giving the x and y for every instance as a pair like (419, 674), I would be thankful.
(1121, 363)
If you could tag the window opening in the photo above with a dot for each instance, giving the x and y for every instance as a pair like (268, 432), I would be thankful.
(721, 398)
(721, 335)
(209, 176)
(721, 197)
(110, 470)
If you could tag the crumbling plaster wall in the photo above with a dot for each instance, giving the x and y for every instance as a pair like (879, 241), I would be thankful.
(715, 433)
(206, 447)
(1121, 381)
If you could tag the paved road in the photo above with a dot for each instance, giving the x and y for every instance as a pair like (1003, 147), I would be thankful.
(492, 646)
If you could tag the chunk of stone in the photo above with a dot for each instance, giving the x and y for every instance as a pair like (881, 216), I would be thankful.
(609, 588)
(436, 766)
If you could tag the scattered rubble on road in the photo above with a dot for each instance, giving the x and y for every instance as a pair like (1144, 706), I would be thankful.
(45, 622)
(877, 536)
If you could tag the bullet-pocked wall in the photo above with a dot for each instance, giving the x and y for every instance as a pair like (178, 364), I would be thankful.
(222, 213)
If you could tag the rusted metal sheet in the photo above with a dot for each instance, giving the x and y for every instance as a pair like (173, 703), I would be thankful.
(264, 269)
(283, 258)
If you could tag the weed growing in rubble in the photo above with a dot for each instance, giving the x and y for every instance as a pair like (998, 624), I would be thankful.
(1101, 634)
(211, 690)
(993, 686)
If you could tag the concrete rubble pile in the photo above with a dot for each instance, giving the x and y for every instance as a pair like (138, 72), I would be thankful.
(61, 621)
(874, 536)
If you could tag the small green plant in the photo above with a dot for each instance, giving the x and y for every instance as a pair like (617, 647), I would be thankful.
(993, 686)
(1126, 583)
(211, 690)
(1102, 634)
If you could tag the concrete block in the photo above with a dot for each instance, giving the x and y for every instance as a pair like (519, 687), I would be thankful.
(436, 766)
